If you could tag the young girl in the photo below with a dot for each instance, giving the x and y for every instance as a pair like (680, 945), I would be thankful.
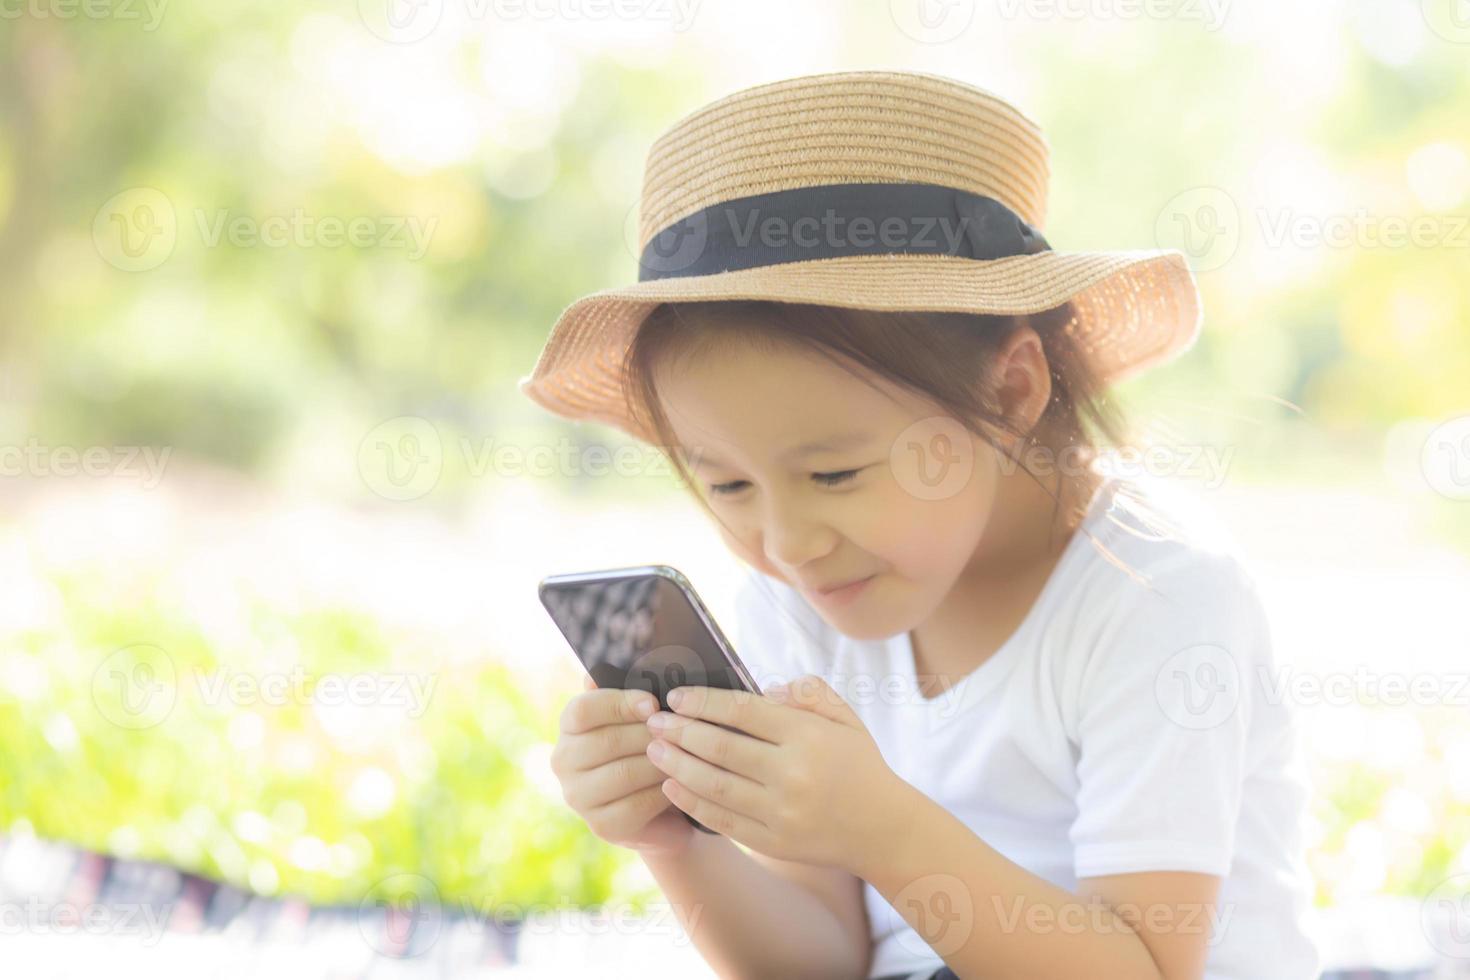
(1023, 729)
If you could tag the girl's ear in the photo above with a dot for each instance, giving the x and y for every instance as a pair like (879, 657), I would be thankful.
(1021, 382)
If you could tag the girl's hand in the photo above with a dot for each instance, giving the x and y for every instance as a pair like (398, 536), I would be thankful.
(605, 775)
(798, 779)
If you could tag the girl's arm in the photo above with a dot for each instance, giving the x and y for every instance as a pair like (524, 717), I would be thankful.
(840, 891)
(1173, 911)
(748, 920)
(987, 916)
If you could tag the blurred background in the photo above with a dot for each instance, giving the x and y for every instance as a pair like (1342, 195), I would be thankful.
(272, 511)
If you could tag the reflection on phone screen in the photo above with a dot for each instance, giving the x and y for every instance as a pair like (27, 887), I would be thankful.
(638, 632)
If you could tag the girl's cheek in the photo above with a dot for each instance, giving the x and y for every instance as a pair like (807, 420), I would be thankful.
(904, 534)
(921, 537)
(889, 536)
(736, 542)
(907, 555)
(747, 547)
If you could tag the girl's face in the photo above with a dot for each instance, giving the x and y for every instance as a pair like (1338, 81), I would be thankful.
(819, 480)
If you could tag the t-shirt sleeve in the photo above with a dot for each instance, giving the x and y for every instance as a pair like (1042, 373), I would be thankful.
(1161, 721)
(773, 633)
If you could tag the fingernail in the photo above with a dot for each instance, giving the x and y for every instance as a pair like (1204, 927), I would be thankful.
(656, 749)
(660, 719)
(675, 697)
(645, 707)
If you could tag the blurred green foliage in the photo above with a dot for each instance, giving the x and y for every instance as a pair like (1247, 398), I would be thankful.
(223, 349)
(277, 803)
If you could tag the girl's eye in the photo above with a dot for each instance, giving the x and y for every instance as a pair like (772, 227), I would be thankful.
(725, 489)
(833, 479)
(825, 479)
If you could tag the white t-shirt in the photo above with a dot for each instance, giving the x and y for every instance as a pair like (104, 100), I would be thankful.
(1120, 728)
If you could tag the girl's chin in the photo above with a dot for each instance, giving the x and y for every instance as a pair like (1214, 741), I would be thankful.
(866, 621)
(865, 631)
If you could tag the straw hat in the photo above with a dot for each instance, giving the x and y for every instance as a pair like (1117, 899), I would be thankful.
(879, 190)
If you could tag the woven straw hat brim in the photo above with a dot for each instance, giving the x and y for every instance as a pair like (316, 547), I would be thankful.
(1134, 310)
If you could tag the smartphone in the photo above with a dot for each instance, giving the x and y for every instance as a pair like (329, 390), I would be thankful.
(643, 628)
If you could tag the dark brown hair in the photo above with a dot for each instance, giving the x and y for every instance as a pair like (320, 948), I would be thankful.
(942, 356)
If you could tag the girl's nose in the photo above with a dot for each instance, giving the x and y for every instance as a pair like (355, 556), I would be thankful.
(792, 538)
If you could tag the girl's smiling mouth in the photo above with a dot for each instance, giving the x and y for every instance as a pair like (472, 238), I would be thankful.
(843, 593)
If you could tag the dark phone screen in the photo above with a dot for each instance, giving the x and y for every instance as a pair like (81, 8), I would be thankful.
(639, 632)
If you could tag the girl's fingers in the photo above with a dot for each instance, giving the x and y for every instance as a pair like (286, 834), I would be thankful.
(736, 826)
(590, 710)
(631, 813)
(600, 746)
(610, 782)
(729, 790)
(754, 714)
(588, 684)
(750, 757)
